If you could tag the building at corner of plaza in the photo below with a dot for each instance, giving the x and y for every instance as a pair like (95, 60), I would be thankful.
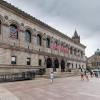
(94, 60)
(28, 44)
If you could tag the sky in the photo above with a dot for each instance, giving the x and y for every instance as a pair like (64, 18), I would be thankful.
(66, 16)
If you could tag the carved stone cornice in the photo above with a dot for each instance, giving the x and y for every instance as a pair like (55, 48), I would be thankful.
(5, 24)
(16, 66)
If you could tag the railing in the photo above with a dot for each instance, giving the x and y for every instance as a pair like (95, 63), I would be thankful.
(19, 76)
(5, 77)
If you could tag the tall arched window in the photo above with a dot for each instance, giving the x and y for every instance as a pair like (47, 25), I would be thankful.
(28, 36)
(39, 40)
(48, 42)
(13, 31)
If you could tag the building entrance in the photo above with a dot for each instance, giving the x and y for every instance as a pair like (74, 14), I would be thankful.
(49, 63)
(62, 66)
(56, 64)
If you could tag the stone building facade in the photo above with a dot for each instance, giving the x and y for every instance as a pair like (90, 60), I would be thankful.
(26, 43)
(94, 60)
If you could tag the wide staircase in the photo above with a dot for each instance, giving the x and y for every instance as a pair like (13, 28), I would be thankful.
(75, 72)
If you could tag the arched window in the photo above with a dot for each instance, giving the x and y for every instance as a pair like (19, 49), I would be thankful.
(48, 42)
(13, 31)
(39, 40)
(28, 36)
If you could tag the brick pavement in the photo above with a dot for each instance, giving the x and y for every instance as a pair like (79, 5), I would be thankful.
(71, 88)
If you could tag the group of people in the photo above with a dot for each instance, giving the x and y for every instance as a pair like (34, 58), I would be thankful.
(85, 75)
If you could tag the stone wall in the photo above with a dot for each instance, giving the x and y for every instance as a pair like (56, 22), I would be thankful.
(22, 50)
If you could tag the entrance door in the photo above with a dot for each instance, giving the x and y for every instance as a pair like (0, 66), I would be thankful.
(49, 63)
(62, 66)
(56, 64)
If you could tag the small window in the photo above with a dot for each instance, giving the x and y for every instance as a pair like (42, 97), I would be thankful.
(40, 62)
(13, 60)
(76, 65)
(28, 61)
(72, 66)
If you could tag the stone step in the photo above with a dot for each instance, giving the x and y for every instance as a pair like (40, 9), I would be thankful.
(61, 75)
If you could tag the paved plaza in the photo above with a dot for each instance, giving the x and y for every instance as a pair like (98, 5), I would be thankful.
(70, 88)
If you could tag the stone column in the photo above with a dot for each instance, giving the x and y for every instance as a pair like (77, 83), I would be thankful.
(34, 40)
(22, 37)
(44, 42)
(79, 53)
(73, 51)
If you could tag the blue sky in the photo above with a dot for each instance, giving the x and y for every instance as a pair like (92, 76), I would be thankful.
(66, 16)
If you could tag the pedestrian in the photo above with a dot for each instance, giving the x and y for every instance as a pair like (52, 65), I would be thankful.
(85, 72)
(91, 73)
(82, 75)
(52, 77)
(86, 75)
(96, 74)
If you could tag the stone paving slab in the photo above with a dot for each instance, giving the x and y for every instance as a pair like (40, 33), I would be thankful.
(7, 95)
(71, 88)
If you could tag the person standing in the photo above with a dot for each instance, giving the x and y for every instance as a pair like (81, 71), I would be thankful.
(52, 77)
(86, 75)
(91, 74)
(82, 75)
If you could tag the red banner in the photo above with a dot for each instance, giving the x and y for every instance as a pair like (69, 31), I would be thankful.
(60, 48)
